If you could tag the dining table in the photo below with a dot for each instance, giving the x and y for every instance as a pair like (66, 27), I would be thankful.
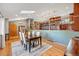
(34, 38)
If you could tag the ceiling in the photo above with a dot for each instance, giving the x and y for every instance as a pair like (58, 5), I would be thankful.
(42, 10)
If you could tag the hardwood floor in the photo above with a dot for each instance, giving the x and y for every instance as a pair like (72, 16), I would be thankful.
(55, 50)
(7, 50)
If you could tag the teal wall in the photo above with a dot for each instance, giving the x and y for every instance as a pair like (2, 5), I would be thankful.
(60, 36)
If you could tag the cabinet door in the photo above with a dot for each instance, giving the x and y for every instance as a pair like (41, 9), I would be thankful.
(63, 26)
(76, 8)
(75, 17)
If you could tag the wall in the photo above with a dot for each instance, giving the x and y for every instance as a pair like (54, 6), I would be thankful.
(6, 26)
(2, 32)
(60, 36)
(0, 41)
(1, 26)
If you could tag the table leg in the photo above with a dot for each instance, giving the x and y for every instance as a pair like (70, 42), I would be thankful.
(40, 42)
(30, 46)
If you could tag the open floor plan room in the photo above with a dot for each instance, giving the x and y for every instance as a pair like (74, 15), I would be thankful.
(39, 29)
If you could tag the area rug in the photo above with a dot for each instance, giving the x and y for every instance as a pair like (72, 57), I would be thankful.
(18, 49)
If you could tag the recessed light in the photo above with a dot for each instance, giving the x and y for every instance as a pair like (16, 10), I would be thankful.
(54, 16)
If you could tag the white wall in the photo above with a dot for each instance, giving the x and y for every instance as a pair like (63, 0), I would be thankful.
(6, 26)
(2, 32)
(2, 28)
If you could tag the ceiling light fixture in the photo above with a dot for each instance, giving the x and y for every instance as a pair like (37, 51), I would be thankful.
(16, 15)
(27, 12)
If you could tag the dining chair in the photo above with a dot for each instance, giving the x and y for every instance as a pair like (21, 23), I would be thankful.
(24, 41)
(37, 34)
(29, 34)
(33, 33)
(20, 35)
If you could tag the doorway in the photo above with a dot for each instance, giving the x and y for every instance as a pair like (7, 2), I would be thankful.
(13, 31)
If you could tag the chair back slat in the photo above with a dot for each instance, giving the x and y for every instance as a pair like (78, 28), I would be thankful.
(24, 39)
(20, 35)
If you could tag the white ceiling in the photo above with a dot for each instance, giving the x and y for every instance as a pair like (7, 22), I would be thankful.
(42, 10)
